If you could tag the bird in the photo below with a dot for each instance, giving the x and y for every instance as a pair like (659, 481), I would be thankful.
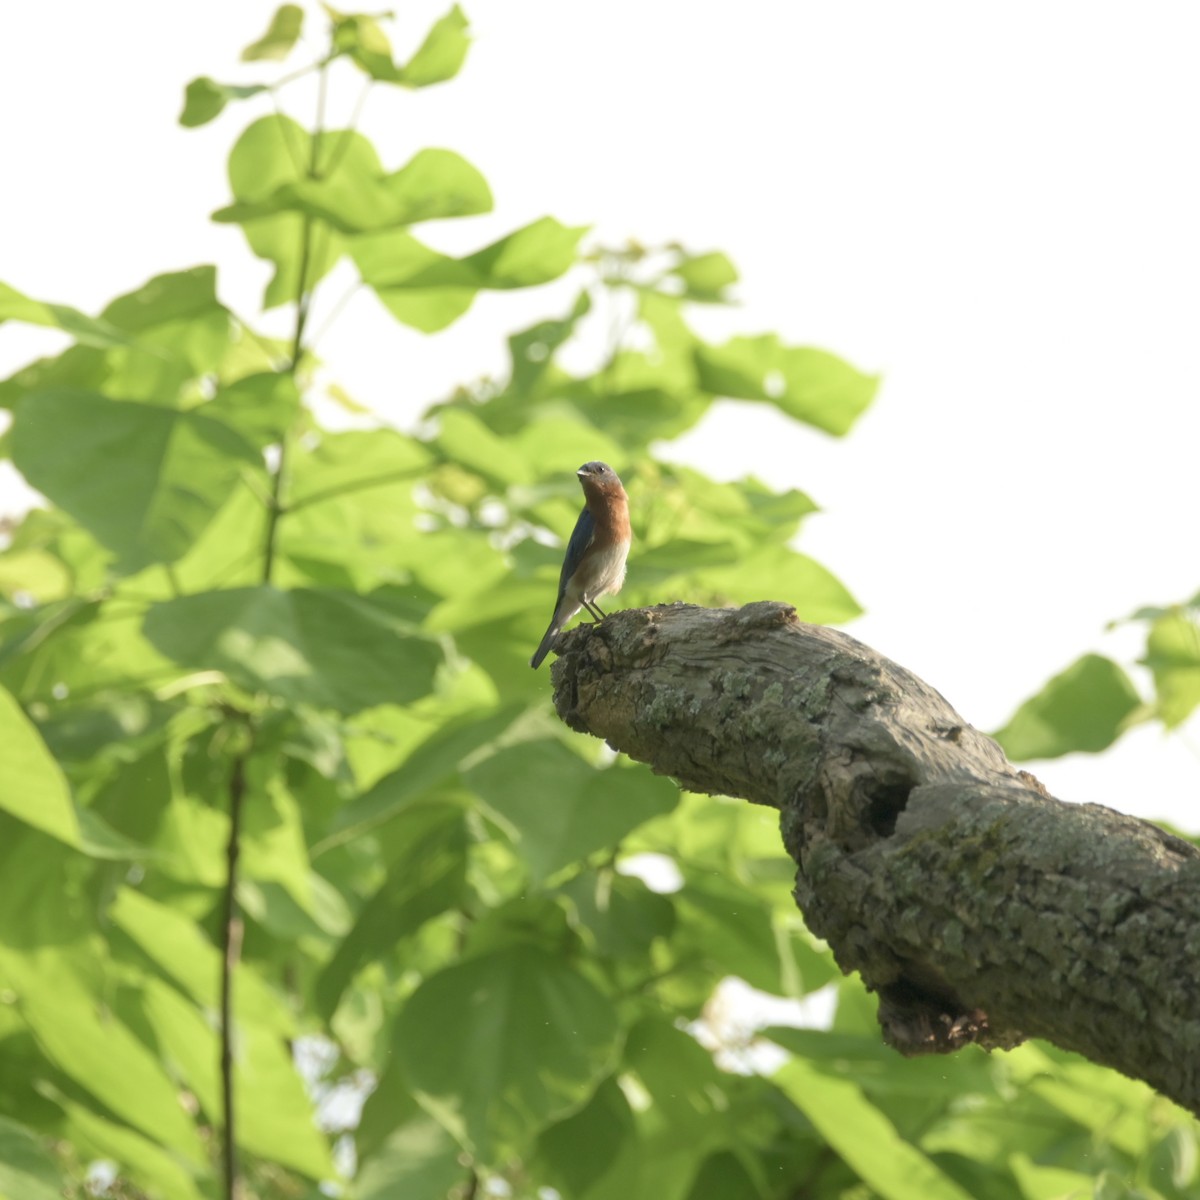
(594, 563)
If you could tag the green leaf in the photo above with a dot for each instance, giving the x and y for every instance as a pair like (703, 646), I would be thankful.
(353, 465)
(96, 1050)
(272, 1103)
(1081, 709)
(706, 276)
(181, 326)
(429, 310)
(204, 99)
(683, 1114)
(863, 1137)
(428, 290)
(157, 341)
(435, 184)
(1113, 1185)
(34, 790)
(261, 407)
(557, 809)
(782, 574)
(282, 34)
(723, 1177)
(1173, 656)
(532, 350)
(272, 152)
(274, 850)
(874, 1066)
(576, 1152)
(432, 762)
(621, 913)
(325, 648)
(361, 37)
(178, 947)
(1175, 1158)
(32, 787)
(79, 646)
(813, 386)
(419, 1158)
(27, 1172)
(499, 1045)
(440, 56)
(1107, 1105)
(88, 331)
(428, 878)
(353, 516)
(149, 1165)
(726, 924)
(1039, 1182)
(143, 480)
(432, 185)
(466, 441)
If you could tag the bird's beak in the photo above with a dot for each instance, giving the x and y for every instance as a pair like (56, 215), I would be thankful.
(583, 472)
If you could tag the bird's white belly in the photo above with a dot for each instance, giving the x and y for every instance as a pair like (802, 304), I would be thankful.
(600, 574)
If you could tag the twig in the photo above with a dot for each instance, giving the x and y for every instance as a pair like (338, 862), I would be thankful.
(336, 310)
(303, 304)
(231, 935)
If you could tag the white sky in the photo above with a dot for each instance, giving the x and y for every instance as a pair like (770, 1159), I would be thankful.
(994, 205)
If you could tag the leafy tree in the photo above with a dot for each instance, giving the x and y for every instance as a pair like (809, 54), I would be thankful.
(287, 820)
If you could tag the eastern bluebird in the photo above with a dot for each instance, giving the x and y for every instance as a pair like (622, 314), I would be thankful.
(595, 560)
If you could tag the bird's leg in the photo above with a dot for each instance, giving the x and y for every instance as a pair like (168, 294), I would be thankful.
(593, 610)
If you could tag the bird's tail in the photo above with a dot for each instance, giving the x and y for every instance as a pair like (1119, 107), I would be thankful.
(546, 642)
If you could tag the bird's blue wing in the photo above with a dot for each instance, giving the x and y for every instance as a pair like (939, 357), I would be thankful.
(581, 539)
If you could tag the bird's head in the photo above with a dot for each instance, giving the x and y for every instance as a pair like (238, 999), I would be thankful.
(598, 473)
(599, 479)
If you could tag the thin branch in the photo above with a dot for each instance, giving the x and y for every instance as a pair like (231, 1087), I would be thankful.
(261, 494)
(284, 80)
(231, 937)
(287, 144)
(343, 142)
(303, 305)
(274, 512)
(336, 311)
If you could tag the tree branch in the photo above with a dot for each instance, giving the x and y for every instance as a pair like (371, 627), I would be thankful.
(976, 905)
(231, 937)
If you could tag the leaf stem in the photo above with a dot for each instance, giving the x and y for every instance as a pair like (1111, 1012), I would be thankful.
(354, 485)
(336, 310)
(231, 946)
(303, 305)
(343, 142)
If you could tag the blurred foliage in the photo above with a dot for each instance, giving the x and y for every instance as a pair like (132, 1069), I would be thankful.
(1094, 701)
(445, 900)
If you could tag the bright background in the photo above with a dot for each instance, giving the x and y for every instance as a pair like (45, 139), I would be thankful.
(996, 206)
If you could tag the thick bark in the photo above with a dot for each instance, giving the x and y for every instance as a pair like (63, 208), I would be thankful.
(976, 905)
